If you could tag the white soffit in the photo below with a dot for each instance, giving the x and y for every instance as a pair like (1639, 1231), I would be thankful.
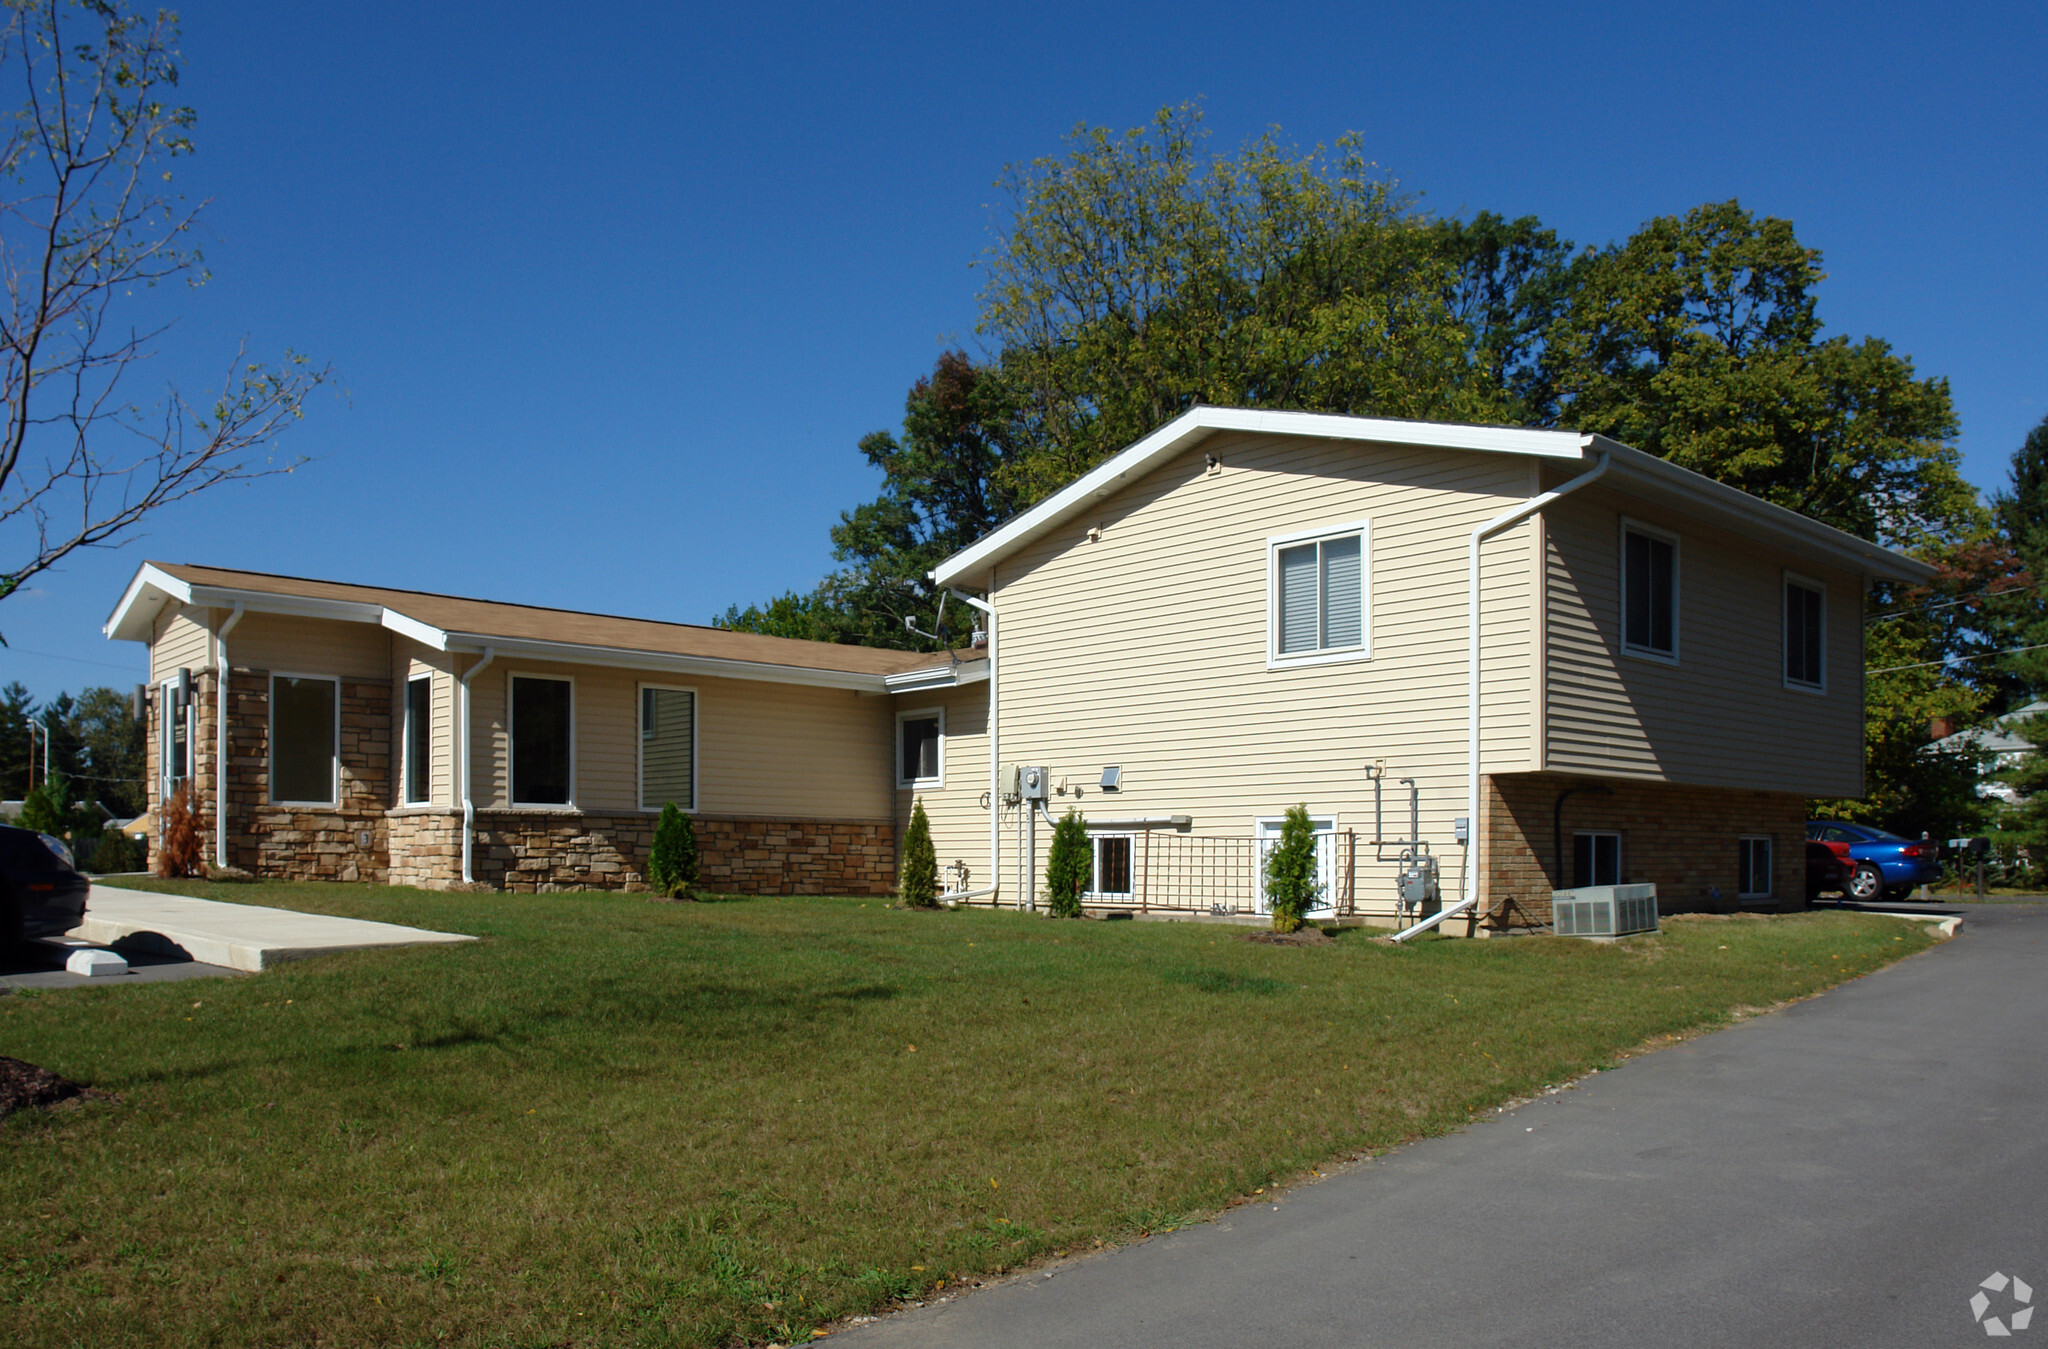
(1199, 423)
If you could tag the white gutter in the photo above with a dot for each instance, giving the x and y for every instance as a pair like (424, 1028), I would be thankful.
(220, 731)
(1467, 881)
(995, 747)
(465, 755)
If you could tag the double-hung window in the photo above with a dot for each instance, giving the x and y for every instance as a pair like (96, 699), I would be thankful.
(305, 740)
(1753, 867)
(543, 733)
(1649, 592)
(920, 748)
(668, 747)
(419, 740)
(1596, 858)
(1806, 612)
(1320, 598)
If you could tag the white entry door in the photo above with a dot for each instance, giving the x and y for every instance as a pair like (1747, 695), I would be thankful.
(1266, 836)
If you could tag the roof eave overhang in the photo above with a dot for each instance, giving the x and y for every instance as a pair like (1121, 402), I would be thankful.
(1197, 424)
(662, 662)
(937, 677)
(134, 617)
(1649, 476)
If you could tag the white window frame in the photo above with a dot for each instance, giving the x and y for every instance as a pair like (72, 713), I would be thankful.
(405, 797)
(1275, 659)
(1268, 826)
(1742, 859)
(1095, 864)
(1614, 834)
(920, 714)
(167, 702)
(1631, 526)
(1784, 643)
(270, 746)
(512, 741)
(640, 743)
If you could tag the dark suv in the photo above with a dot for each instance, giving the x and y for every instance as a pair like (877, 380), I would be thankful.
(41, 893)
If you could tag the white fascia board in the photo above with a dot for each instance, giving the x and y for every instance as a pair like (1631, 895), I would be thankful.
(152, 585)
(296, 606)
(1199, 423)
(426, 634)
(1691, 491)
(571, 653)
(937, 677)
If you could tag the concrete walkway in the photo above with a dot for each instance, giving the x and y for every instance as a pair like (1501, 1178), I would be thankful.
(1847, 1171)
(239, 936)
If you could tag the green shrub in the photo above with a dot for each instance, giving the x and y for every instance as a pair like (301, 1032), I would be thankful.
(1291, 885)
(672, 861)
(1069, 866)
(49, 809)
(114, 852)
(917, 879)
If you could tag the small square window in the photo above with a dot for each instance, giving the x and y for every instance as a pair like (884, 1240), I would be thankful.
(1753, 867)
(1320, 596)
(1596, 858)
(920, 744)
(1112, 876)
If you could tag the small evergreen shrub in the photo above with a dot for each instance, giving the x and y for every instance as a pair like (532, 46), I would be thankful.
(115, 852)
(1291, 885)
(1069, 866)
(672, 862)
(177, 852)
(917, 880)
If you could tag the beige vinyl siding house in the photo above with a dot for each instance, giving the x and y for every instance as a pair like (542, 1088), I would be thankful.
(1244, 612)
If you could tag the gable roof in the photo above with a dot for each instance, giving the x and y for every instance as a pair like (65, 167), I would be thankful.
(1640, 472)
(454, 623)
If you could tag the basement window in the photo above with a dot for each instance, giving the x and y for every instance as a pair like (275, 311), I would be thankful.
(1596, 858)
(1753, 867)
(1112, 874)
(305, 737)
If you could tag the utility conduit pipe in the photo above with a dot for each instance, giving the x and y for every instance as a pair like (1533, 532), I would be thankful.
(464, 754)
(1512, 516)
(220, 733)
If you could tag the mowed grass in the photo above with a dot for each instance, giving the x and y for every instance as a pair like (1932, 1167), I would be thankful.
(619, 1122)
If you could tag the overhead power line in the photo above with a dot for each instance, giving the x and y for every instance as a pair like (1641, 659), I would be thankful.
(1982, 655)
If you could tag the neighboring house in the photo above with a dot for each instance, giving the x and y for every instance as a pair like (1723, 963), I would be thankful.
(2000, 744)
(1243, 612)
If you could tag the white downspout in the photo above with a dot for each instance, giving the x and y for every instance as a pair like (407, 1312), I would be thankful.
(995, 752)
(466, 755)
(220, 732)
(1467, 880)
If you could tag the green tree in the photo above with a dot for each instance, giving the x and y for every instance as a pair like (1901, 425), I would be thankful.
(17, 742)
(87, 223)
(1291, 885)
(1069, 865)
(1910, 786)
(2015, 611)
(50, 809)
(918, 878)
(1698, 340)
(672, 860)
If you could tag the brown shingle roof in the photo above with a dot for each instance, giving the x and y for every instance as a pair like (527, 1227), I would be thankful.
(526, 622)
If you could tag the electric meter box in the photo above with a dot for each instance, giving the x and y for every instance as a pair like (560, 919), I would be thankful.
(1032, 782)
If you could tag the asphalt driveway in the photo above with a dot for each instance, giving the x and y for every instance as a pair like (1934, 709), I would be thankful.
(1845, 1172)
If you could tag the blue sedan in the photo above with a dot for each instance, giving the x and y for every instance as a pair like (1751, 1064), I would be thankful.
(1885, 864)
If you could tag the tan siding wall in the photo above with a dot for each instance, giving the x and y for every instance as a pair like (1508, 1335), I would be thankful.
(1148, 647)
(311, 646)
(959, 820)
(182, 641)
(1722, 716)
(777, 751)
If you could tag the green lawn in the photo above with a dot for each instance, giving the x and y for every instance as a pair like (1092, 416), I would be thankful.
(615, 1121)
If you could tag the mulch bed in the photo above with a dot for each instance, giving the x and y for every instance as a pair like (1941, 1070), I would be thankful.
(1307, 936)
(23, 1085)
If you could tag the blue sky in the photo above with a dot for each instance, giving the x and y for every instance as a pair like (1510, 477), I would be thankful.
(613, 290)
